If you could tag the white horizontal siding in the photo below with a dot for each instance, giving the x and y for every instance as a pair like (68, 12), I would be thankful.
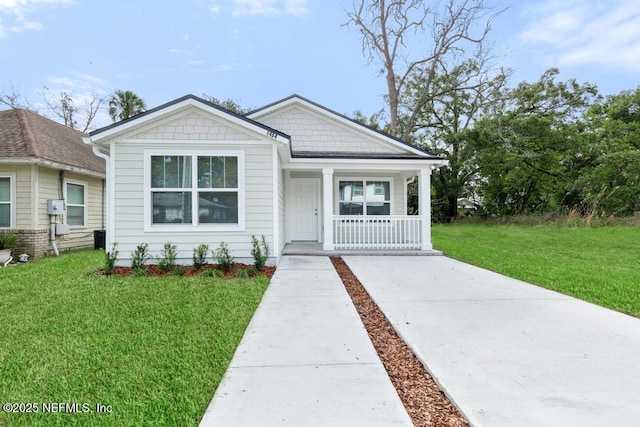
(130, 193)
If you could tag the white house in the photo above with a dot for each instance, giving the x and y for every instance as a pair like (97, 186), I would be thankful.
(191, 172)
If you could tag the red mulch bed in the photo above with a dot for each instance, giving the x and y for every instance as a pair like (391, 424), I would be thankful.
(426, 404)
(189, 270)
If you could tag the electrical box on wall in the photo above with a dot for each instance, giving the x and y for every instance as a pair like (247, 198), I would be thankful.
(55, 207)
(62, 229)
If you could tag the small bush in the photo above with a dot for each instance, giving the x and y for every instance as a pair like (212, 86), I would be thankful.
(110, 259)
(168, 255)
(223, 257)
(200, 255)
(140, 256)
(213, 273)
(259, 251)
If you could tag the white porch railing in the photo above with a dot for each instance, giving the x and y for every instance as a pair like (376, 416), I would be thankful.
(376, 232)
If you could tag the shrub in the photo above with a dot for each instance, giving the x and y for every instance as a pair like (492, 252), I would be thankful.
(223, 257)
(9, 239)
(110, 259)
(140, 256)
(168, 254)
(200, 255)
(259, 251)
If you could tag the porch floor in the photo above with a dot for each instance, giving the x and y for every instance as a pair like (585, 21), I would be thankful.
(315, 248)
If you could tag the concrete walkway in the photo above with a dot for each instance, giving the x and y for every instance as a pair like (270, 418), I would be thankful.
(306, 359)
(508, 353)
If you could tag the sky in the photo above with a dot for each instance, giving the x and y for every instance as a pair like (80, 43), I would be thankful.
(259, 51)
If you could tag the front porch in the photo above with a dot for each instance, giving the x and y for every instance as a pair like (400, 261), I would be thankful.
(315, 249)
(342, 209)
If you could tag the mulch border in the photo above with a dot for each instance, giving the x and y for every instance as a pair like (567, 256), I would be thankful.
(425, 402)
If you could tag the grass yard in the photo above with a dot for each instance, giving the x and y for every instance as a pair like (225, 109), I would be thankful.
(599, 264)
(153, 349)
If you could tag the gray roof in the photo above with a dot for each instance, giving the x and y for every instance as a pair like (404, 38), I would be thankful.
(24, 135)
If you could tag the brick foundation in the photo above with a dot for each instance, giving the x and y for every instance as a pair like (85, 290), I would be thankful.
(35, 243)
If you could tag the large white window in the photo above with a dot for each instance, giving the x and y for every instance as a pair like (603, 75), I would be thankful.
(6, 202)
(76, 196)
(202, 189)
(364, 197)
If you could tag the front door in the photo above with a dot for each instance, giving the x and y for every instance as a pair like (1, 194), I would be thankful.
(303, 211)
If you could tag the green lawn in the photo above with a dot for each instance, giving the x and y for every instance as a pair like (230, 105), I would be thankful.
(153, 349)
(599, 264)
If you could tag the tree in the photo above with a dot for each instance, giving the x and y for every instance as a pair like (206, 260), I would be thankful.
(228, 104)
(14, 99)
(457, 29)
(373, 121)
(63, 107)
(443, 125)
(125, 104)
(532, 152)
(612, 184)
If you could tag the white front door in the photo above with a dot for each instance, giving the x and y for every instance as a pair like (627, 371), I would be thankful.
(303, 210)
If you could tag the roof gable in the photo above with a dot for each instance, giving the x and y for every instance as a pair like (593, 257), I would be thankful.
(188, 117)
(317, 131)
(26, 135)
(193, 124)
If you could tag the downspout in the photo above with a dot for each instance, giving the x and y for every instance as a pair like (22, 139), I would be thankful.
(52, 235)
(105, 185)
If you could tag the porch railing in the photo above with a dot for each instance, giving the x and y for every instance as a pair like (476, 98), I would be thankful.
(376, 232)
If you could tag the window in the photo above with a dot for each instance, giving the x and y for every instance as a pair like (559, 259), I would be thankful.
(364, 197)
(5, 202)
(195, 189)
(76, 208)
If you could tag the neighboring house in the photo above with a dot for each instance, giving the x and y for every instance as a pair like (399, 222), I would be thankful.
(190, 172)
(466, 207)
(42, 160)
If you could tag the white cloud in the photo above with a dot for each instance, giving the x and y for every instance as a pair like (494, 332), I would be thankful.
(16, 12)
(574, 33)
(79, 83)
(271, 7)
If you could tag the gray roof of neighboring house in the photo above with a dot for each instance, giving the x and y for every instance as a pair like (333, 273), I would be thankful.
(24, 135)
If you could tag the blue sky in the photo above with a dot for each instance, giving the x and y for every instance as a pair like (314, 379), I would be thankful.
(258, 51)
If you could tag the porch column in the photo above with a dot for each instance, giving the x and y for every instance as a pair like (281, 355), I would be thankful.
(424, 200)
(327, 209)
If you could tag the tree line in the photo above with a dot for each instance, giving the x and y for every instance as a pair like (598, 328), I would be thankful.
(536, 147)
(78, 113)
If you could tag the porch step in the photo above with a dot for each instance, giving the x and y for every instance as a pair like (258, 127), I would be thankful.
(304, 248)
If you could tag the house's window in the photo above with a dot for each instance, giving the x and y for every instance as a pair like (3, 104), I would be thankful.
(364, 197)
(76, 206)
(171, 189)
(5, 202)
(208, 196)
(217, 190)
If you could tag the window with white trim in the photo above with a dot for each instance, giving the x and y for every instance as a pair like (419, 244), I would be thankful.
(364, 197)
(76, 203)
(6, 202)
(195, 189)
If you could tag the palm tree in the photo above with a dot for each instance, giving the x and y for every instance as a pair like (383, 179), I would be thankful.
(124, 104)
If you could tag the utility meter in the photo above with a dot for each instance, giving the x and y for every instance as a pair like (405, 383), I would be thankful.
(55, 207)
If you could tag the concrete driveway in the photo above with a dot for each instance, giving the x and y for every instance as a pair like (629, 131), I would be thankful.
(506, 352)
(306, 359)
